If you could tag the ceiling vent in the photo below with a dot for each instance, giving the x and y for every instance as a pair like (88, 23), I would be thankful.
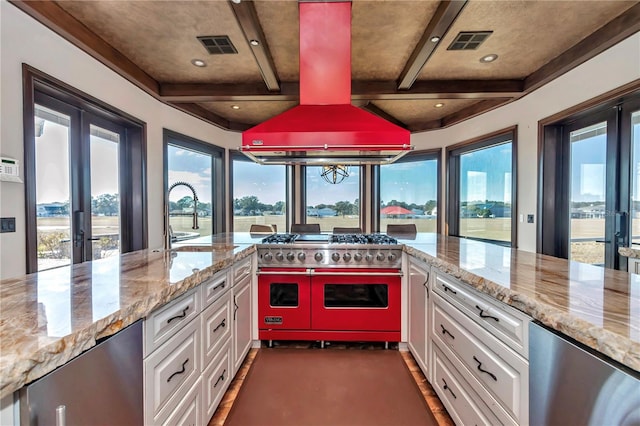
(469, 40)
(217, 45)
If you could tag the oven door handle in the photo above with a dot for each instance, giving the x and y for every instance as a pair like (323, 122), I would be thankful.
(307, 272)
(343, 274)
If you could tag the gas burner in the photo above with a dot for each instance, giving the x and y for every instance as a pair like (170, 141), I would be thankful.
(279, 239)
(362, 239)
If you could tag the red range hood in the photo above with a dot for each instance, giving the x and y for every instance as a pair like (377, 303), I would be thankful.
(325, 128)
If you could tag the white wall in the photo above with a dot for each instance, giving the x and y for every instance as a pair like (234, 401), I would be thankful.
(25, 40)
(613, 68)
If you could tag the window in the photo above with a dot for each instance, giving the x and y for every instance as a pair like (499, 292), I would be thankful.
(588, 197)
(409, 192)
(79, 152)
(193, 168)
(482, 182)
(259, 195)
(333, 205)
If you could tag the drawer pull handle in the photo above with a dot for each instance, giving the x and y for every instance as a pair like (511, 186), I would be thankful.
(182, 315)
(221, 285)
(221, 378)
(483, 315)
(222, 324)
(445, 331)
(446, 387)
(449, 289)
(178, 372)
(482, 370)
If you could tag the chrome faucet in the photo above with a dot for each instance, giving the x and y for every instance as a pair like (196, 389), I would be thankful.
(168, 232)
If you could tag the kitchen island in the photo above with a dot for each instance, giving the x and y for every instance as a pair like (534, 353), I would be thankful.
(48, 318)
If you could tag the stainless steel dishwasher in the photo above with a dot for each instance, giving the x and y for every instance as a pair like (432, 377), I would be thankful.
(102, 386)
(572, 385)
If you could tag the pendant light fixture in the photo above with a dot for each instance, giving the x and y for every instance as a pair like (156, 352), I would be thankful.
(334, 174)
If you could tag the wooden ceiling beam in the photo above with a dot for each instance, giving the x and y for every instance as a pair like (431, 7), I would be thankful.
(247, 18)
(625, 25)
(383, 114)
(442, 20)
(360, 91)
(466, 113)
(62, 23)
(210, 117)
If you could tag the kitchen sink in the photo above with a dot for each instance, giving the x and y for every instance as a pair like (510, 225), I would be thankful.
(207, 248)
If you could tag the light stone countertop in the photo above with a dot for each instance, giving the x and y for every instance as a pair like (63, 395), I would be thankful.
(48, 318)
(633, 251)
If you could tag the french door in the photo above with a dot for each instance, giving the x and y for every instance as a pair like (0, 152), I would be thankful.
(590, 204)
(77, 184)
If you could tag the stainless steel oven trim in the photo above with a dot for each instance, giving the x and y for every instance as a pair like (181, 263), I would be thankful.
(312, 272)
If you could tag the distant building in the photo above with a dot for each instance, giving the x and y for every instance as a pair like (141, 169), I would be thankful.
(327, 212)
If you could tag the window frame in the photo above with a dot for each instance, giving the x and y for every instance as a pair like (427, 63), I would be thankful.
(133, 170)
(453, 153)
(422, 155)
(170, 137)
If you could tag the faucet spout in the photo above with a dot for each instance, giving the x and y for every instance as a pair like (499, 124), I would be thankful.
(169, 238)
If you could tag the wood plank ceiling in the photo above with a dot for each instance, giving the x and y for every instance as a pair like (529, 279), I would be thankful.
(401, 63)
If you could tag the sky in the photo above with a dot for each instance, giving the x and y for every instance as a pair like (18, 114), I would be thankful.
(191, 167)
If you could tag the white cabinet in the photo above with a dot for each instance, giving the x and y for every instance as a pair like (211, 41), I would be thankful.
(479, 353)
(417, 312)
(241, 300)
(634, 265)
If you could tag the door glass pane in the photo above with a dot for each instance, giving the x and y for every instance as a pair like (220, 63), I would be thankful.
(105, 192)
(587, 189)
(192, 168)
(485, 193)
(356, 295)
(283, 295)
(634, 238)
(408, 194)
(259, 196)
(333, 205)
(53, 188)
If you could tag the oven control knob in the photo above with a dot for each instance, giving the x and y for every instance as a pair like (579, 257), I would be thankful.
(369, 257)
(318, 257)
(379, 257)
(291, 257)
(335, 257)
(357, 257)
(391, 257)
(302, 256)
(279, 257)
(346, 257)
(268, 257)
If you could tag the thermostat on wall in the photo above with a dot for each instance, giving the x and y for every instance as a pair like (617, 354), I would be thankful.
(9, 170)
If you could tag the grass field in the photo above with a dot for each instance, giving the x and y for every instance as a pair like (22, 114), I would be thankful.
(486, 228)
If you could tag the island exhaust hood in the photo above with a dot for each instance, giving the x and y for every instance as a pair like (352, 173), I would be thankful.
(325, 128)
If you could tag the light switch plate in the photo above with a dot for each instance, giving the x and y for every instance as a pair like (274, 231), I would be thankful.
(8, 224)
(529, 218)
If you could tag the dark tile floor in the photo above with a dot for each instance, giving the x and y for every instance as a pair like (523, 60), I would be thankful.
(429, 395)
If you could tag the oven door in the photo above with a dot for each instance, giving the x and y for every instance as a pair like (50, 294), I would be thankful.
(355, 299)
(284, 299)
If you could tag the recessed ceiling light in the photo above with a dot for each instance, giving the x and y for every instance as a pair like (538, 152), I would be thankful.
(489, 58)
(236, 1)
(235, 107)
(198, 62)
(435, 39)
(254, 42)
(439, 105)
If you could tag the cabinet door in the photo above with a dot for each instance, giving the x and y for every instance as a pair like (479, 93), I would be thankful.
(241, 321)
(418, 296)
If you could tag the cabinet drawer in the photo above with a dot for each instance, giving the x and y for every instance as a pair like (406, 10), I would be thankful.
(166, 321)
(172, 368)
(215, 287)
(188, 411)
(216, 328)
(502, 372)
(215, 381)
(464, 406)
(241, 270)
(508, 324)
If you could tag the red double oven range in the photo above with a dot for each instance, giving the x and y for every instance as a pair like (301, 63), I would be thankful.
(342, 287)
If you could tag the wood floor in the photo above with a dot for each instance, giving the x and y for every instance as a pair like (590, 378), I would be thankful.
(439, 413)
